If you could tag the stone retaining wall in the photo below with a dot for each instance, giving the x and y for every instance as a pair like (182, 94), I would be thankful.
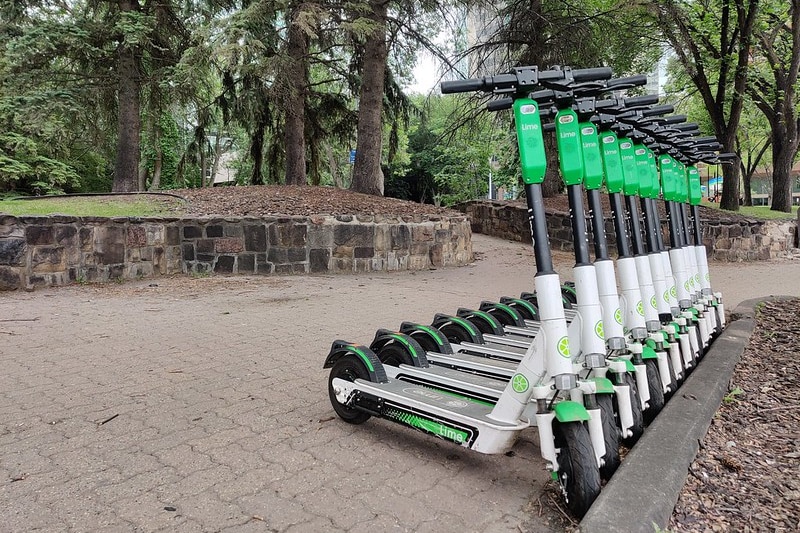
(57, 250)
(747, 240)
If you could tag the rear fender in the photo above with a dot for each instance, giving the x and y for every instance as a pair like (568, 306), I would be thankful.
(340, 348)
(427, 336)
(384, 337)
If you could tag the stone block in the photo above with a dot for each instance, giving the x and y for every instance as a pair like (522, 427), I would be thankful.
(320, 236)
(228, 245)
(278, 255)
(205, 246)
(214, 231)
(65, 235)
(255, 238)
(187, 251)
(353, 235)
(296, 254)
(137, 236)
(400, 237)
(111, 253)
(318, 260)
(436, 255)
(422, 232)
(291, 268)
(10, 278)
(192, 232)
(363, 252)
(39, 235)
(224, 264)
(12, 251)
(173, 236)
(154, 234)
(343, 251)
(263, 266)
(246, 263)
(48, 259)
(288, 234)
(86, 238)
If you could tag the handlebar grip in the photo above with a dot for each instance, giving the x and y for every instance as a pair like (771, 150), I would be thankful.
(689, 126)
(629, 81)
(674, 119)
(658, 110)
(592, 74)
(636, 101)
(499, 104)
(550, 126)
(463, 86)
(704, 140)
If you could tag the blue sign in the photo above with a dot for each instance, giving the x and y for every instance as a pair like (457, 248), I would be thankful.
(352, 156)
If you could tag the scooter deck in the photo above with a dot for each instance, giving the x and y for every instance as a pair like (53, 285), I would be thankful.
(475, 363)
(474, 385)
(491, 351)
(463, 410)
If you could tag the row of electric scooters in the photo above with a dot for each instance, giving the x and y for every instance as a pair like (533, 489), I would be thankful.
(588, 363)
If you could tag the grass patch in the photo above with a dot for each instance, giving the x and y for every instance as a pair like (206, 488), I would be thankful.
(95, 206)
(761, 212)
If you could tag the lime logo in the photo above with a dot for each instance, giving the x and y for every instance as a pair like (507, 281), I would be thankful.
(666, 295)
(708, 276)
(519, 383)
(653, 303)
(587, 131)
(618, 316)
(673, 291)
(563, 347)
(625, 145)
(640, 308)
(566, 119)
(686, 286)
(598, 329)
(697, 278)
(527, 109)
(608, 139)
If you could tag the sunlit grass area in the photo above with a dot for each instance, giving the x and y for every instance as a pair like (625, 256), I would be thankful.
(758, 211)
(95, 206)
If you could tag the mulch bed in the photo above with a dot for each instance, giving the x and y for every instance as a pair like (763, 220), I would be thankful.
(746, 476)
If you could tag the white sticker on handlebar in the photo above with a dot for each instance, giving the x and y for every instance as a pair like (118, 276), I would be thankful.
(527, 109)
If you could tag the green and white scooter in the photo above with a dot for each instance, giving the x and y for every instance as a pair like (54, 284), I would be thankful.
(359, 388)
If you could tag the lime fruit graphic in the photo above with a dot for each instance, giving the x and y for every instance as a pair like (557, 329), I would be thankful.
(563, 347)
(598, 329)
(618, 316)
(640, 308)
(519, 383)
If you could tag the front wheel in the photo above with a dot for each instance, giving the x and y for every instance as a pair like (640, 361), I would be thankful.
(578, 474)
(655, 388)
(610, 436)
(348, 368)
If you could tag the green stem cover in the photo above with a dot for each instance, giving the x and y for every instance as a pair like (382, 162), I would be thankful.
(529, 138)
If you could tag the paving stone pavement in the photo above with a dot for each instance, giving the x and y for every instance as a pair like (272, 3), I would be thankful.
(185, 404)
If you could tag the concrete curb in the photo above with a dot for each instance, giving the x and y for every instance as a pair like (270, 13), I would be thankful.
(643, 492)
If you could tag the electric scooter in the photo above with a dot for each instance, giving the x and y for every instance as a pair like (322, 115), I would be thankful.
(359, 388)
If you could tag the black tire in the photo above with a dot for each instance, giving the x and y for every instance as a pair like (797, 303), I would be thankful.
(394, 355)
(673, 378)
(426, 342)
(349, 368)
(578, 474)
(610, 436)
(455, 333)
(656, 391)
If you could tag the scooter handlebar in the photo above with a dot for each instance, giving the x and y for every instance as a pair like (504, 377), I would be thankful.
(629, 81)
(523, 78)
(638, 101)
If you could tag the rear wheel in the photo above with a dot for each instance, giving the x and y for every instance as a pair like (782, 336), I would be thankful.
(455, 333)
(610, 436)
(655, 388)
(578, 474)
(394, 355)
(348, 368)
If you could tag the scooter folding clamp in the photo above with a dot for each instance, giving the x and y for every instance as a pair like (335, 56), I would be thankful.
(653, 325)
(565, 381)
(639, 334)
(616, 343)
(594, 360)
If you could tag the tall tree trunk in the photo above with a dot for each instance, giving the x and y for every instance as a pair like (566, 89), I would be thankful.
(367, 173)
(126, 165)
(730, 173)
(257, 153)
(296, 79)
(782, 159)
